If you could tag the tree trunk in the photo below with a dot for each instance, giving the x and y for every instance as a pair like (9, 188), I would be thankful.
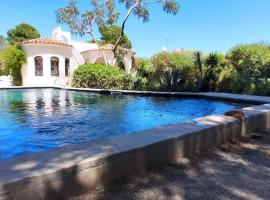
(99, 47)
(123, 26)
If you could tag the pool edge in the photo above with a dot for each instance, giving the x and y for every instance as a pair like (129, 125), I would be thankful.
(237, 98)
(71, 170)
(99, 163)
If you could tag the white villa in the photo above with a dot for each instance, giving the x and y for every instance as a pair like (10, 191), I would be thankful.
(51, 61)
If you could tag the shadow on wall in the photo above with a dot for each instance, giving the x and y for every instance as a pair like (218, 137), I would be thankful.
(231, 173)
(69, 185)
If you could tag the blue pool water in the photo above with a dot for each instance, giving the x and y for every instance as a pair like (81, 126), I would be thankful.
(40, 119)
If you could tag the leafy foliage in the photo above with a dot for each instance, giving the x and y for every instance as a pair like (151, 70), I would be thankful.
(22, 32)
(199, 68)
(170, 79)
(2, 42)
(229, 80)
(213, 64)
(252, 64)
(12, 59)
(100, 76)
(141, 7)
(142, 67)
(171, 72)
(101, 14)
(165, 61)
(110, 34)
(245, 69)
(198, 63)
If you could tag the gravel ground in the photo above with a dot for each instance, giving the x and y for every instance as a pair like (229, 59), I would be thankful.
(236, 171)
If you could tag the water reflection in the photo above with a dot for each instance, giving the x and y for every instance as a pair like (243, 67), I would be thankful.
(36, 120)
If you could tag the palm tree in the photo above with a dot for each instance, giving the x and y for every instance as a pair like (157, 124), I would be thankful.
(198, 64)
(211, 61)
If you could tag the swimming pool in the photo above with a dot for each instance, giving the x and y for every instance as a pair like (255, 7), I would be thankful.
(34, 120)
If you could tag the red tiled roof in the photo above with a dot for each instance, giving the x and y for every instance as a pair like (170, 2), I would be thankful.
(109, 47)
(45, 41)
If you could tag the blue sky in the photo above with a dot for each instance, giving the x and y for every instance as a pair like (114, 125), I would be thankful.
(207, 25)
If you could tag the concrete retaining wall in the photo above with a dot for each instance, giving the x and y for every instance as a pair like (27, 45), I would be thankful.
(73, 169)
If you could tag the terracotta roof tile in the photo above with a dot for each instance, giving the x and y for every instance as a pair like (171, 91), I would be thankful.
(45, 41)
(108, 47)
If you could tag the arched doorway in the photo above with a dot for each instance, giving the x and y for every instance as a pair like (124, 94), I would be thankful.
(121, 65)
(100, 60)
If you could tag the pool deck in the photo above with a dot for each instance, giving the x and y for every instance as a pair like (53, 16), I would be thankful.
(74, 169)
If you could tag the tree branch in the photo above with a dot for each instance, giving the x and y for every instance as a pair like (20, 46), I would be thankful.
(95, 40)
(123, 25)
(99, 47)
(156, 1)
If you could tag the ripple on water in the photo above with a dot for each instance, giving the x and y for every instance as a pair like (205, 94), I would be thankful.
(37, 120)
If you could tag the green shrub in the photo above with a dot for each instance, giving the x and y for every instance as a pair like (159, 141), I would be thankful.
(135, 82)
(245, 69)
(172, 72)
(229, 81)
(166, 61)
(143, 67)
(261, 89)
(141, 84)
(11, 59)
(252, 63)
(100, 77)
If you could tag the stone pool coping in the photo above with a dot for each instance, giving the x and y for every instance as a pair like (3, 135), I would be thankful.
(240, 98)
(77, 168)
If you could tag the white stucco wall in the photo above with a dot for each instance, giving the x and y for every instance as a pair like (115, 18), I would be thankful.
(82, 46)
(128, 62)
(5, 81)
(47, 51)
(92, 56)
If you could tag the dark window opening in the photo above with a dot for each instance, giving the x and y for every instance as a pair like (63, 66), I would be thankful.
(67, 63)
(38, 66)
(54, 66)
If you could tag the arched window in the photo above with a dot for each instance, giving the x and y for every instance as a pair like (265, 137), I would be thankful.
(54, 66)
(38, 66)
(67, 63)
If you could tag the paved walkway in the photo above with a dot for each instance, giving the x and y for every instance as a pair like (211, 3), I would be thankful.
(237, 171)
